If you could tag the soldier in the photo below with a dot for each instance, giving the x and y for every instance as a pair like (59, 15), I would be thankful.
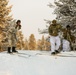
(68, 39)
(55, 41)
(12, 38)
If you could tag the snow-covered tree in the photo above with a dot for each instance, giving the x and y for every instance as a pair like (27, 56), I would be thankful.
(39, 47)
(32, 42)
(43, 44)
(26, 46)
(20, 43)
(4, 18)
(40, 44)
(65, 11)
(4, 13)
(47, 43)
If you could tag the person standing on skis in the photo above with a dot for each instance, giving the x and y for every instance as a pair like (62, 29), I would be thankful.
(12, 38)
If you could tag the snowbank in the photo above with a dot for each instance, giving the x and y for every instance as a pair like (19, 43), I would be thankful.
(37, 63)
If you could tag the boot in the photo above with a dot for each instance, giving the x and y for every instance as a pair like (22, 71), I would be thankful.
(53, 53)
(9, 50)
(56, 51)
(14, 49)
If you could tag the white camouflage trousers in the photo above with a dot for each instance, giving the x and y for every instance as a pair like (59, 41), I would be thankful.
(12, 38)
(55, 43)
(66, 45)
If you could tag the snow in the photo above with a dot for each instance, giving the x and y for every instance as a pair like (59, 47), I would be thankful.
(37, 63)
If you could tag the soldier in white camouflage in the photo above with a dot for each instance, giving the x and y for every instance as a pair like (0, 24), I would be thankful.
(68, 39)
(12, 38)
(55, 41)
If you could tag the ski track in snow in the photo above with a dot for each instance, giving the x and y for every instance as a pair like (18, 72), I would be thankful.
(32, 63)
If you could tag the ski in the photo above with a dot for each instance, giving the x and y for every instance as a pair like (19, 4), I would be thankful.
(21, 55)
(24, 54)
(58, 55)
(61, 55)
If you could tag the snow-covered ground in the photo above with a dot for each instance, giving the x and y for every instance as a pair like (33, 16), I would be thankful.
(37, 63)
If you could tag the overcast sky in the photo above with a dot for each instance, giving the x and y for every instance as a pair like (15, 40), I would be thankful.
(32, 14)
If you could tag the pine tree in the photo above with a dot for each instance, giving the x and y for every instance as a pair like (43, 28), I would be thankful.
(20, 43)
(4, 13)
(26, 45)
(47, 43)
(65, 11)
(4, 18)
(43, 43)
(39, 47)
(32, 42)
(40, 44)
